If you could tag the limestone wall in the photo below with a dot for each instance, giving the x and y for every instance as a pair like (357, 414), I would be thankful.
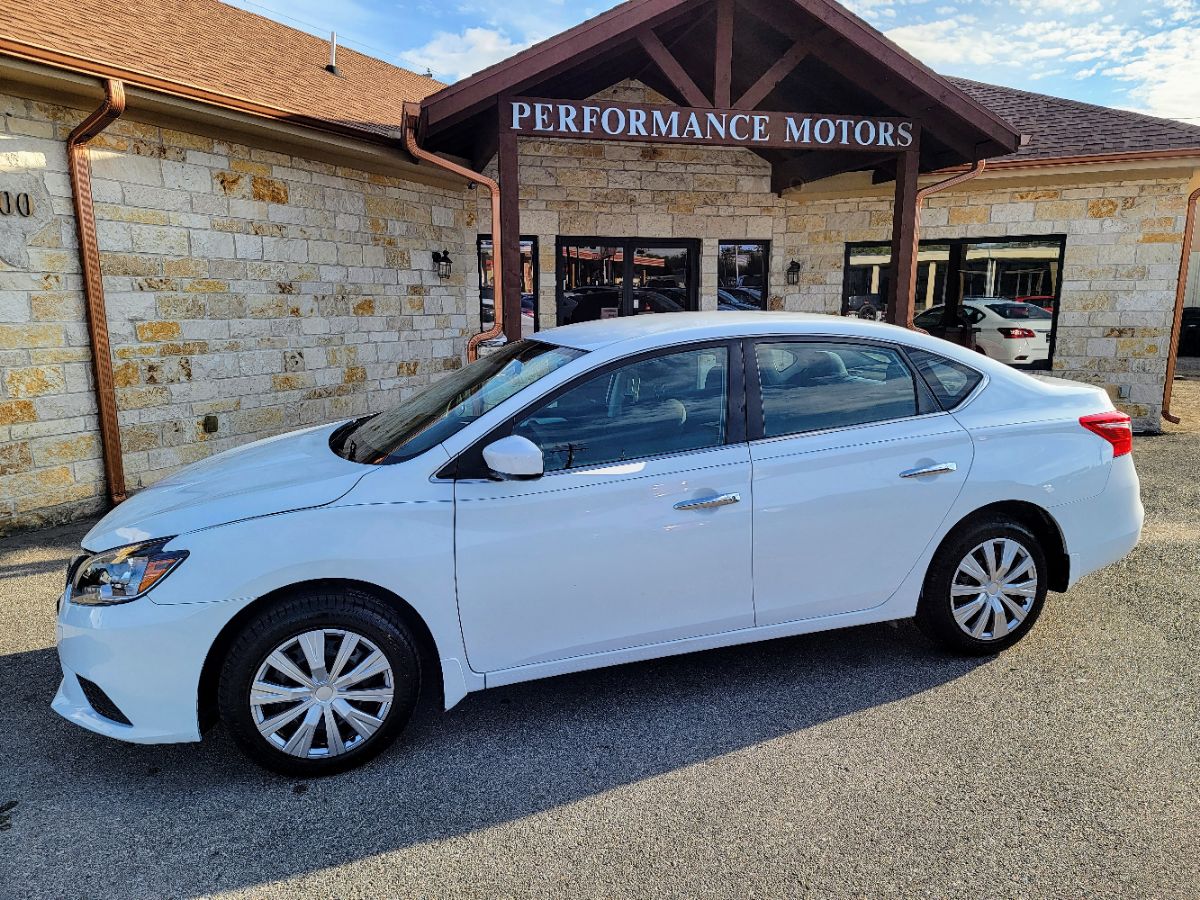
(268, 290)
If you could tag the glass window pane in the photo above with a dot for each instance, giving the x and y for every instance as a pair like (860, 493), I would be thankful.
(591, 281)
(951, 382)
(667, 404)
(487, 284)
(661, 280)
(742, 268)
(810, 386)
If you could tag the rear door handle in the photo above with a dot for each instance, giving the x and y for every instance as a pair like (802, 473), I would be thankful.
(709, 502)
(935, 469)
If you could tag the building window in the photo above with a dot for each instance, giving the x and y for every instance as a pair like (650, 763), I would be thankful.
(991, 272)
(603, 278)
(742, 274)
(529, 280)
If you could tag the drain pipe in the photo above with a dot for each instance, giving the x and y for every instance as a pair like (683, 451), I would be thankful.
(80, 168)
(412, 113)
(1185, 259)
(929, 190)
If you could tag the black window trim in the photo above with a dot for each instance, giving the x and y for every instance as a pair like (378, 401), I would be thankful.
(927, 404)
(766, 245)
(537, 275)
(468, 465)
(694, 247)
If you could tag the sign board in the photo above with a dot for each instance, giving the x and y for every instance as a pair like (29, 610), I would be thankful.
(604, 120)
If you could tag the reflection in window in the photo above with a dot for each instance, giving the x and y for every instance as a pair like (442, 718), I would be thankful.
(810, 386)
(667, 404)
(742, 268)
(529, 276)
(604, 279)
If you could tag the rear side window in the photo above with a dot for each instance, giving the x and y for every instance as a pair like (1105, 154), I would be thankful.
(811, 386)
(1019, 311)
(951, 382)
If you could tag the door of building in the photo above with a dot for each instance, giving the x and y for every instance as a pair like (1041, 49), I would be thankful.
(603, 278)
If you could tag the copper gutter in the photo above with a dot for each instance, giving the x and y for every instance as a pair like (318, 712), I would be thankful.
(1185, 259)
(927, 191)
(80, 167)
(412, 114)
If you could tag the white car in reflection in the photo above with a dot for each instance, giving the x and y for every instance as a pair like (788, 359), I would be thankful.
(1013, 332)
(610, 491)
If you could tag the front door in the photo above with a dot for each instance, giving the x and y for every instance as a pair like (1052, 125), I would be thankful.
(854, 471)
(602, 278)
(638, 533)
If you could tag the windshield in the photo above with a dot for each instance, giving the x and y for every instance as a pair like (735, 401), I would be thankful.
(1019, 311)
(449, 405)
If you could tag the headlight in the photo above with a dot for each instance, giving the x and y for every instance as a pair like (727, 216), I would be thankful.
(121, 575)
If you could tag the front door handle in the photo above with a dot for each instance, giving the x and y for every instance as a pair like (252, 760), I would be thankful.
(709, 502)
(935, 469)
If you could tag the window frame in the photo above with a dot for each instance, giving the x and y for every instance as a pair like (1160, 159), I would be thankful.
(470, 466)
(766, 251)
(537, 275)
(628, 246)
(954, 268)
(927, 404)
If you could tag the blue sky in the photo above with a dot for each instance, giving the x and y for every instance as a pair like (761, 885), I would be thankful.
(1136, 54)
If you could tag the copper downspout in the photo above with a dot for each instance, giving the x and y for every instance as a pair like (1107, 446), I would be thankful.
(80, 167)
(924, 192)
(412, 112)
(1185, 259)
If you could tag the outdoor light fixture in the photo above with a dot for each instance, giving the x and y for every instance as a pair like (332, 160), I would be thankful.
(793, 273)
(442, 262)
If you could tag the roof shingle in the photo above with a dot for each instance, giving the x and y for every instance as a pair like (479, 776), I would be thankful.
(221, 50)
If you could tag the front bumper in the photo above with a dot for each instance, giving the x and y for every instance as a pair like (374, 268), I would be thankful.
(147, 658)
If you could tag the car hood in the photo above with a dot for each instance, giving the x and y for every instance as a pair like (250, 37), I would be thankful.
(279, 474)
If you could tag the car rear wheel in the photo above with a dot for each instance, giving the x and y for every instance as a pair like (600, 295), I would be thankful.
(320, 682)
(985, 588)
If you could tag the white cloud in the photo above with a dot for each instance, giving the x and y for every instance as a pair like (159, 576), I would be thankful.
(455, 56)
(1068, 7)
(1165, 74)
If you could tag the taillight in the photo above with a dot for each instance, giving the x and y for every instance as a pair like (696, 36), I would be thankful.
(1017, 332)
(1114, 427)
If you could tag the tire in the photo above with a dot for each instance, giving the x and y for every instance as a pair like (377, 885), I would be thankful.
(336, 723)
(948, 584)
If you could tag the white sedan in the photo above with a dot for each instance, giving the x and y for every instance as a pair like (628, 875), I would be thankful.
(1010, 331)
(610, 491)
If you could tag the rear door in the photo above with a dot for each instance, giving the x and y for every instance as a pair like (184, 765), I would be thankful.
(855, 468)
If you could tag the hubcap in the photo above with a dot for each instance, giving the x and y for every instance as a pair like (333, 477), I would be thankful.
(994, 589)
(322, 693)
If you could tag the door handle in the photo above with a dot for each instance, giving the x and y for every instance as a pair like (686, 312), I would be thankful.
(709, 502)
(935, 469)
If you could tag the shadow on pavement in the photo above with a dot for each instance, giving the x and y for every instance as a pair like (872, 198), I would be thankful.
(97, 817)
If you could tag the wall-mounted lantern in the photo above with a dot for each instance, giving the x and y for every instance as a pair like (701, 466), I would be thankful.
(793, 273)
(441, 262)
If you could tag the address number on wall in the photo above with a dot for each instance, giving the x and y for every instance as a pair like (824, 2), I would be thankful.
(15, 204)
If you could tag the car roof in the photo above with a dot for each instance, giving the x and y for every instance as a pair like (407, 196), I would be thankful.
(664, 329)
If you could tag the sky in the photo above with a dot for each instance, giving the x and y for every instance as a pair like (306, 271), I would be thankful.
(1142, 55)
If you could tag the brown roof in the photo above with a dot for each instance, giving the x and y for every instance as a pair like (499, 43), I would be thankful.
(204, 47)
(1060, 129)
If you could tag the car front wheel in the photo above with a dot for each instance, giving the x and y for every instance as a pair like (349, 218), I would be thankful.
(320, 682)
(985, 588)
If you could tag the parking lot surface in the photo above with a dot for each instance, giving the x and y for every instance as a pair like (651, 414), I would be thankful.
(853, 763)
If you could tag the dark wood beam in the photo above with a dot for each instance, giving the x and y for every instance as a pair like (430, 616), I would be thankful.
(723, 55)
(487, 143)
(769, 80)
(670, 67)
(901, 302)
(508, 242)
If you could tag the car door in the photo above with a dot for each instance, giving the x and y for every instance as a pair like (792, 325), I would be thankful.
(855, 467)
(637, 533)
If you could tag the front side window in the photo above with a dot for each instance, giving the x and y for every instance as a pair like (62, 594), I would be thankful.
(812, 386)
(450, 405)
(662, 405)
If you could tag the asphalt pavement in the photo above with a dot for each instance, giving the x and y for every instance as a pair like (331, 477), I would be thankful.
(853, 763)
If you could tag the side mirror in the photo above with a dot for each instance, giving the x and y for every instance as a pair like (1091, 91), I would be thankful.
(514, 457)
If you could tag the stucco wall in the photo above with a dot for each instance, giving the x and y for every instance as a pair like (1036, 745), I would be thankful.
(269, 290)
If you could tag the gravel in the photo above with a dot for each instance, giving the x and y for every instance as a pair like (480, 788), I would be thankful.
(853, 763)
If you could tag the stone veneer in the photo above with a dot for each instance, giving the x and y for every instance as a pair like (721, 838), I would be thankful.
(273, 291)
(268, 290)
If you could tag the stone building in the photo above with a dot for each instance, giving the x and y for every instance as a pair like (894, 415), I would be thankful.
(266, 247)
